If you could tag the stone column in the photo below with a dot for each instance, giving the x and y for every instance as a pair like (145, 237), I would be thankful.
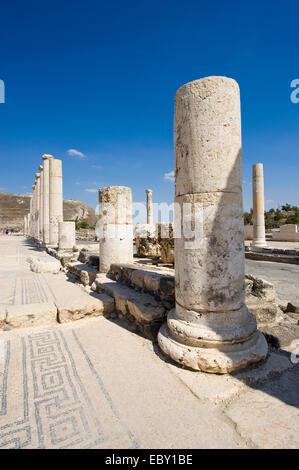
(115, 230)
(41, 203)
(149, 205)
(67, 235)
(56, 199)
(46, 197)
(210, 329)
(37, 190)
(29, 218)
(25, 225)
(32, 234)
(259, 238)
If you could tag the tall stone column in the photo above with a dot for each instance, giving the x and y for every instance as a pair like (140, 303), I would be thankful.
(259, 238)
(41, 203)
(37, 208)
(56, 199)
(149, 205)
(32, 218)
(115, 226)
(36, 221)
(25, 226)
(46, 197)
(29, 218)
(210, 328)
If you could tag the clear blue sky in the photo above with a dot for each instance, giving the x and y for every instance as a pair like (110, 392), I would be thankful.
(100, 78)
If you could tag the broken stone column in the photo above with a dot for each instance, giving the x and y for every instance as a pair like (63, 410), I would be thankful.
(259, 238)
(41, 203)
(67, 235)
(115, 226)
(55, 199)
(46, 197)
(37, 175)
(149, 205)
(210, 328)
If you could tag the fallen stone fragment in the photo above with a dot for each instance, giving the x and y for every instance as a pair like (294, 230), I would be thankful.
(261, 299)
(45, 264)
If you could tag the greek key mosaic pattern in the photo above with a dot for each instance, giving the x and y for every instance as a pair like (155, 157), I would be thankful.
(44, 401)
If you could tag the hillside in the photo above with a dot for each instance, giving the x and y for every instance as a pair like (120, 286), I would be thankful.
(13, 207)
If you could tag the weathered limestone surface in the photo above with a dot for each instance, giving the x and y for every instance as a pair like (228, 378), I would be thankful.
(287, 233)
(73, 309)
(166, 242)
(55, 199)
(259, 238)
(210, 329)
(276, 404)
(23, 316)
(261, 299)
(83, 271)
(37, 216)
(260, 294)
(115, 221)
(136, 306)
(46, 197)
(67, 235)
(146, 241)
(45, 264)
(159, 285)
(41, 203)
(149, 206)
(255, 408)
(248, 232)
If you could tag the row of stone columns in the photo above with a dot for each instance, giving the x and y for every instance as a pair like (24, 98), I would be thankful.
(210, 328)
(45, 223)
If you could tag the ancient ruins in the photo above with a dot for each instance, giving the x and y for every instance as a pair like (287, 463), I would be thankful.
(180, 284)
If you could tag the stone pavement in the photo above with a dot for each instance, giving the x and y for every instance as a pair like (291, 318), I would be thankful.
(284, 277)
(94, 384)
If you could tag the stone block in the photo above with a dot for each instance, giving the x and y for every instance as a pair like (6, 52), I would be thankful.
(45, 264)
(27, 315)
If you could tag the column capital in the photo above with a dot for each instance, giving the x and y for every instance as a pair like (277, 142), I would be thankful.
(40, 167)
(47, 157)
(37, 175)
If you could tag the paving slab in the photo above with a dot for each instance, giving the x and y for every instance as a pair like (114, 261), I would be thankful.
(269, 417)
(20, 316)
(220, 388)
(95, 385)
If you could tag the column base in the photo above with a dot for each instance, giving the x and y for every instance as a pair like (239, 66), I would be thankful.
(223, 358)
(258, 243)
